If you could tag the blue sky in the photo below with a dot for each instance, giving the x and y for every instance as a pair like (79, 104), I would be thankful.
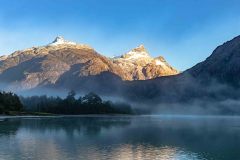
(185, 32)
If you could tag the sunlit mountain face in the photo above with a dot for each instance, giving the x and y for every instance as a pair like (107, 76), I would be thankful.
(66, 64)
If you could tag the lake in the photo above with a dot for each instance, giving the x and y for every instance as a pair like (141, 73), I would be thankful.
(120, 137)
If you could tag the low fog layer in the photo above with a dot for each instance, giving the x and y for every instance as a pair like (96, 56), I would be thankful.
(210, 87)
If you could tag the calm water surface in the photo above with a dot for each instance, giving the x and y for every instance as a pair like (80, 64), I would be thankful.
(127, 138)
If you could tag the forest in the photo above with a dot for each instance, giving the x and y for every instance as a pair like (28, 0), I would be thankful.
(9, 102)
(91, 103)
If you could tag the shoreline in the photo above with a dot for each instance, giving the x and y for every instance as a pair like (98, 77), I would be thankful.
(62, 116)
(2, 117)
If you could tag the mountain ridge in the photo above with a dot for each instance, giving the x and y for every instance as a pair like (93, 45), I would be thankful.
(214, 79)
(44, 65)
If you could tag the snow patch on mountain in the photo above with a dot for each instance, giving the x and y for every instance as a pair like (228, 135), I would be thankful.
(136, 53)
(141, 65)
(160, 63)
(60, 40)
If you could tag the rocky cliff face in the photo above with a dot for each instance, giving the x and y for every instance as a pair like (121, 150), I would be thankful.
(67, 64)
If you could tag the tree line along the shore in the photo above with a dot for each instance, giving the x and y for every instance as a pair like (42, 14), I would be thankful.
(91, 103)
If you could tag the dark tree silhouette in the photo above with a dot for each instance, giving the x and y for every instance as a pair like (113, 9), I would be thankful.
(9, 102)
(91, 99)
(88, 104)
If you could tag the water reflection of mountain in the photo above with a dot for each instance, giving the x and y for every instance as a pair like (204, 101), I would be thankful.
(119, 137)
(207, 136)
(9, 127)
(86, 125)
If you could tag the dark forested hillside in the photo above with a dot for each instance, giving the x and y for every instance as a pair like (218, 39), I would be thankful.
(9, 102)
(88, 104)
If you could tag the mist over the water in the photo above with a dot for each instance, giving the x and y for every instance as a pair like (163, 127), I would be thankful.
(180, 94)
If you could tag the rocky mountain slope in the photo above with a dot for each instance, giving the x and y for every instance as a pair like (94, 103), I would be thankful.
(70, 65)
(223, 65)
(216, 78)
(141, 66)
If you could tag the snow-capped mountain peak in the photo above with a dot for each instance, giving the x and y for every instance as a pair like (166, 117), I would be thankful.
(141, 65)
(136, 53)
(59, 40)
